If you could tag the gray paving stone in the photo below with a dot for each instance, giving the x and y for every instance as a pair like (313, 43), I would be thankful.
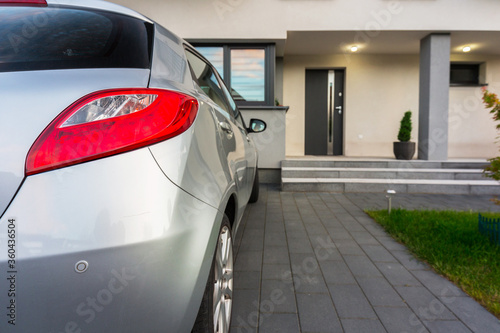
(362, 266)
(379, 292)
(303, 263)
(317, 314)
(347, 247)
(253, 241)
(246, 308)
(248, 261)
(316, 229)
(376, 230)
(310, 283)
(378, 253)
(278, 228)
(279, 322)
(350, 302)
(275, 272)
(294, 225)
(437, 284)
(339, 234)
(397, 274)
(399, 319)
(326, 253)
(362, 326)
(246, 280)
(276, 255)
(390, 244)
(332, 222)
(337, 272)
(300, 246)
(446, 326)
(275, 239)
(477, 318)
(352, 225)
(424, 304)
(364, 238)
(409, 261)
(277, 296)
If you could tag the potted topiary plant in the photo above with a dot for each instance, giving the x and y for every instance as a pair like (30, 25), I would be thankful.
(404, 149)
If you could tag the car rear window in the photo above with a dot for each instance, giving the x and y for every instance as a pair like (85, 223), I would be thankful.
(36, 38)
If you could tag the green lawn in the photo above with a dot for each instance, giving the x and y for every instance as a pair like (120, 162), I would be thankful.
(451, 243)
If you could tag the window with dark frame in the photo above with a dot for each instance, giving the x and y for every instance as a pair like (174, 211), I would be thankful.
(464, 74)
(247, 70)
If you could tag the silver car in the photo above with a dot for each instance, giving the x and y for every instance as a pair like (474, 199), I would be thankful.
(125, 168)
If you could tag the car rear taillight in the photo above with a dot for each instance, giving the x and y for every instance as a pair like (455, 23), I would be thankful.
(109, 122)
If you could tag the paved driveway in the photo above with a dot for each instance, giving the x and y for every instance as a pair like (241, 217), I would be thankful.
(315, 262)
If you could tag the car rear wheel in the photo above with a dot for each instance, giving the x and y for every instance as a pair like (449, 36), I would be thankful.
(214, 315)
(254, 197)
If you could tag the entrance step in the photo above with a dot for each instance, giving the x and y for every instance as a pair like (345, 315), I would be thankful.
(447, 177)
(383, 163)
(383, 173)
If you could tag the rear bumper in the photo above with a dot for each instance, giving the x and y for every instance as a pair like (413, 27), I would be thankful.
(148, 245)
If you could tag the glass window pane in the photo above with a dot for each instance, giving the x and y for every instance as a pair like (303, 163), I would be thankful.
(215, 55)
(247, 74)
(207, 80)
(67, 38)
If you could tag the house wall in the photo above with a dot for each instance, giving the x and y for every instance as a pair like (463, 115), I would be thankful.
(271, 19)
(378, 90)
(471, 129)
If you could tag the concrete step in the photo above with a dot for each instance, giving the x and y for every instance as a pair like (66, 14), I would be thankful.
(383, 163)
(369, 185)
(383, 173)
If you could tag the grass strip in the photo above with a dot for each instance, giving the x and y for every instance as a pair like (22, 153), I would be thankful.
(450, 242)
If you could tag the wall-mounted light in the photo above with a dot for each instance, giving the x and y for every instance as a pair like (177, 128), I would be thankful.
(466, 49)
(354, 48)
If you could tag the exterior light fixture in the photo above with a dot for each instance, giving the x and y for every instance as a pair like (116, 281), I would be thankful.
(354, 48)
(466, 49)
(389, 195)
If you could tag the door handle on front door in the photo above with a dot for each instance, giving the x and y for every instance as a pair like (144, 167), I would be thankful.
(339, 108)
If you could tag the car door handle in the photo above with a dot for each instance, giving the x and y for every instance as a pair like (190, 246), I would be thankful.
(225, 127)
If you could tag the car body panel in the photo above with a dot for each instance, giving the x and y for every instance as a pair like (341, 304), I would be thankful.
(231, 167)
(27, 91)
(169, 68)
(152, 232)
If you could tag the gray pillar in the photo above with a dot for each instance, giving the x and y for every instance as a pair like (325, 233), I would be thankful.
(434, 97)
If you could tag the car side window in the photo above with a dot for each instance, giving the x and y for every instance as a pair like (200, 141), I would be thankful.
(206, 78)
(229, 98)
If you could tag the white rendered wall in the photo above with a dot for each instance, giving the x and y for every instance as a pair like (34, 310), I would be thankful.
(271, 19)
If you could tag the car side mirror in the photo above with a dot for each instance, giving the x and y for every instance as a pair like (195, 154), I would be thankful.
(256, 126)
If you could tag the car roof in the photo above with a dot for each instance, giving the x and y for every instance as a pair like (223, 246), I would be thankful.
(102, 5)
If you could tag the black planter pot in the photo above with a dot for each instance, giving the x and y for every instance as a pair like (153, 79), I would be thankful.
(404, 150)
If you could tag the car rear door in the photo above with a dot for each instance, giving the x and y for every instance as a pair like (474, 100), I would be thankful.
(239, 153)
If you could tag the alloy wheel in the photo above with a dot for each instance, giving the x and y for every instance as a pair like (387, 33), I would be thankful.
(223, 288)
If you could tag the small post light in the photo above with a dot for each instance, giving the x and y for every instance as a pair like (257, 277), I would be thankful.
(390, 194)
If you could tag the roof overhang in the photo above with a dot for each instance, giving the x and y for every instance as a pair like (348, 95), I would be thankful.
(385, 42)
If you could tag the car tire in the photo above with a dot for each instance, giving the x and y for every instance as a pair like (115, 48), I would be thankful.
(215, 311)
(254, 197)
